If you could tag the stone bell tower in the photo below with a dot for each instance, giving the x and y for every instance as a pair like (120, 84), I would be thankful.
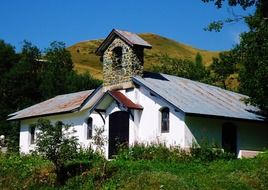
(122, 56)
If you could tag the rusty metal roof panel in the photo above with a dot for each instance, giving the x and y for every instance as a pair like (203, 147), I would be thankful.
(59, 104)
(198, 98)
(125, 100)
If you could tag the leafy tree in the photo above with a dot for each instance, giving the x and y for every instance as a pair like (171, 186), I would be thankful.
(199, 70)
(183, 68)
(198, 59)
(75, 82)
(8, 57)
(19, 88)
(251, 53)
(57, 65)
(99, 139)
(28, 77)
(57, 144)
(21, 82)
(223, 67)
(244, 4)
(57, 75)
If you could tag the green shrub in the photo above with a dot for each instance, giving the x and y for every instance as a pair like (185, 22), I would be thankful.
(203, 153)
(18, 172)
(81, 182)
(152, 152)
(209, 152)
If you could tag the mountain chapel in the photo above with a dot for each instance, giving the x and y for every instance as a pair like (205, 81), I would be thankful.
(135, 106)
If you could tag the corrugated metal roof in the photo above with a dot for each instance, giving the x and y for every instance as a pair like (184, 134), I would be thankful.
(59, 104)
(198, 98)
(133, 38)
(130, 38)
(125, 100)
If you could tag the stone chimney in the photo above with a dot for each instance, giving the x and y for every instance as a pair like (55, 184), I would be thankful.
(122, 56)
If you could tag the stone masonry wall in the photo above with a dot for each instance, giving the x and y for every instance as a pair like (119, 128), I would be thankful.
(131, 64)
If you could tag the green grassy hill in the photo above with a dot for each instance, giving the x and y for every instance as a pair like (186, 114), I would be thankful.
(84, 58)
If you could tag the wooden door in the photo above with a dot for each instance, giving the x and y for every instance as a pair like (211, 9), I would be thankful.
(118, 131)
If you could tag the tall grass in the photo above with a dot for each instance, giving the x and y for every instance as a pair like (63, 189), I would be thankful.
(139, 167)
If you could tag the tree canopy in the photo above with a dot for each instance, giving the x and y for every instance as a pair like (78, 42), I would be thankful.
(194, 70)
(261, 5)
(56, 143)
(29, 77)
(251, 53)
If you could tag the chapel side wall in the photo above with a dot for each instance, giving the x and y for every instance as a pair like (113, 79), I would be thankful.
(252, 137)
(76, 120)
(149, 121)
(201, 131)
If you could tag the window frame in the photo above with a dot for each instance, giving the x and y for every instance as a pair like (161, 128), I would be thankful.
(32, 135)
(89, 132)
(164, 122)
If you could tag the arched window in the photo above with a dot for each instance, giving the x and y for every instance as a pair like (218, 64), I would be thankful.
(117, 56)
(89, 128)
(164, 119)
(32, 132)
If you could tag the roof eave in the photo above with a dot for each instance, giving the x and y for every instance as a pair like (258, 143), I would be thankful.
(44, 115)
(225, 117)
(89, 97)
(99, 51)
(103, 46)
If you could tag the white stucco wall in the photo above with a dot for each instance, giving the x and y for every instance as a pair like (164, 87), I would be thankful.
(77, 120)
(251, 136)
(146, 127)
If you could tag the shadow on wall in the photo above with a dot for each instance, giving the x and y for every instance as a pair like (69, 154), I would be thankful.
(239, 137)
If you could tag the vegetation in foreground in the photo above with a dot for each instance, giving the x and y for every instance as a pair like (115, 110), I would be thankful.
(140, 167)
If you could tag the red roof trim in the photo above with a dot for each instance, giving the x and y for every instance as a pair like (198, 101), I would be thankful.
(125, 100)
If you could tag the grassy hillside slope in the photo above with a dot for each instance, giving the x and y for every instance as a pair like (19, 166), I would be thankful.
(84, 58)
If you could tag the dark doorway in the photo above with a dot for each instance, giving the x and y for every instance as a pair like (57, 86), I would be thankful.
(118, 131)
(229, 138)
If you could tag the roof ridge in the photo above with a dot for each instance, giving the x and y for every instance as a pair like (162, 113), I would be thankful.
(71, 93)
(193, 97)
(210, 85)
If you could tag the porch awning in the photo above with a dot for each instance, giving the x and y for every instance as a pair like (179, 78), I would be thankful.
(110, 96)
(125, 100)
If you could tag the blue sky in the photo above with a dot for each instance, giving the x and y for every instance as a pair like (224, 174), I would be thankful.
(44, 21)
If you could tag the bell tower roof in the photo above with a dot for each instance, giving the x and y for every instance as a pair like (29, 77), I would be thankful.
(129, 38)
